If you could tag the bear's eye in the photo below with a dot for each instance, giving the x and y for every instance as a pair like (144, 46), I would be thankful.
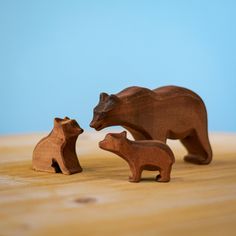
(99, 113)
(102, 115)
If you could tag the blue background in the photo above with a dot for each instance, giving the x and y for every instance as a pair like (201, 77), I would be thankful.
(57, 56)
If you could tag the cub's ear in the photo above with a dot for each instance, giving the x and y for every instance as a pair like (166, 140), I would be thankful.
(108, 135)
(57, 121)
(66, 125)
(123, 134)
(103, 97)
(66, 118)
(114, 98)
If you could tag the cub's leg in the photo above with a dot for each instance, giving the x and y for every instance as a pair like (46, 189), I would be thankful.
(164, 175)
(136, 174)
(62, 166)
(43, 164)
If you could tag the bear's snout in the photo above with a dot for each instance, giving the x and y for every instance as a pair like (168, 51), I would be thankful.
(102, 144)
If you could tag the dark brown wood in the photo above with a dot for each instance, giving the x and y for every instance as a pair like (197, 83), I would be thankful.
(141, 155)
(57, 152)
(168, 112)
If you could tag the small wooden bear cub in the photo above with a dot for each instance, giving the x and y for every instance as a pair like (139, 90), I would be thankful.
(56, 152)
(141, 155)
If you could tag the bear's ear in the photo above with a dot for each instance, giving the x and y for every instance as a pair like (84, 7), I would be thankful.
(108, 136)
(111, 103)
(114, 98)
(123, 134)
(57, 121)
(66, 125)
(103, 97)
(66, 118)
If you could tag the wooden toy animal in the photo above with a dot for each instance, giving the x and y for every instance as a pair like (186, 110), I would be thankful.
(168, 112)
(141, 155)
(56, 152)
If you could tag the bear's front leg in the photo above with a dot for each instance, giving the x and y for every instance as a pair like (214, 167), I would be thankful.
(136, 174)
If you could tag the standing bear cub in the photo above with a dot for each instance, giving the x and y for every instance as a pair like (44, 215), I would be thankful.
(141, 155)
(56, 152)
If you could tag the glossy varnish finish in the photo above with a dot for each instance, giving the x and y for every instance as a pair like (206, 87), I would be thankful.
(141, 155)
(168, 112)
(56, 152)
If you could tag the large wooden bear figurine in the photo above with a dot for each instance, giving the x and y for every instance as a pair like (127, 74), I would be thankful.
(168, 112)
(142, 155)
(56, 152)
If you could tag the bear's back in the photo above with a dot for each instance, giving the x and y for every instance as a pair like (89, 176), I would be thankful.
(47, 146)
(135, 93)
(170, 92)
(153, 144)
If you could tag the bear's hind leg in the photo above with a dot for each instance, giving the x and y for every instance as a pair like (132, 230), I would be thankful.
(164, 175)
(199, 149)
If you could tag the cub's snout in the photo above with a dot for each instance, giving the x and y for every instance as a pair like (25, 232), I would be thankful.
(81, 131)
(103, 144)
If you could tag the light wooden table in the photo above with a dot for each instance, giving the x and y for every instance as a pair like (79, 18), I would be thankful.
(199, 200)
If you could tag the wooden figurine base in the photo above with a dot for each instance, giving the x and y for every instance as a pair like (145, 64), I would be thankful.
(141, 155)
(56, 152)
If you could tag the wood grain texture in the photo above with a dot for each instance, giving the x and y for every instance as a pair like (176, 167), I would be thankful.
(56, 152)
(151, 155)
(199, 200)
(168, 112)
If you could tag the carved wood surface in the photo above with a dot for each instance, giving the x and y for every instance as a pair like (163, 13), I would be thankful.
(141, 155)
(56, 152)
(199, 200)
(168, 112)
